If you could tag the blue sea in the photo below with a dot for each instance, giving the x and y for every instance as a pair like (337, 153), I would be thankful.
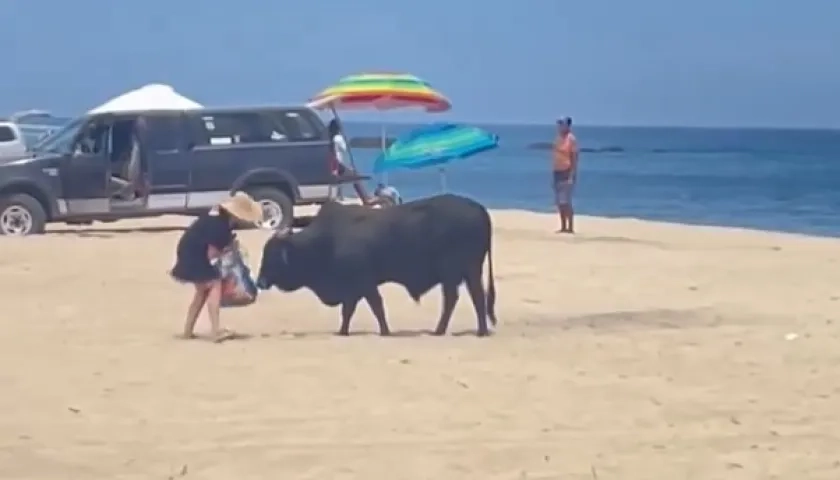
(781, 180)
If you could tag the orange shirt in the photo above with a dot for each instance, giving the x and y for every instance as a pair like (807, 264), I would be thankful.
(564, 149)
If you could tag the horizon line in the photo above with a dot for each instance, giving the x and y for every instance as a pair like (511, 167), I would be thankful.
(608, 125)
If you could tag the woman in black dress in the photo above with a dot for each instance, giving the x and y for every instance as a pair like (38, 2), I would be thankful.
(206, 239)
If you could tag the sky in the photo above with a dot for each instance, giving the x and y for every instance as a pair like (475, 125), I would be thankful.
(642, 62)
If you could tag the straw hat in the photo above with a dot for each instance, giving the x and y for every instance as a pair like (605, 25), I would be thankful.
(241, 206)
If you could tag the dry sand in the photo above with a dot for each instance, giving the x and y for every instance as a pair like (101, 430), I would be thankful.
(634, 350)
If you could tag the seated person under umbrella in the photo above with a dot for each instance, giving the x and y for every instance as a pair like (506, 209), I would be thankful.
(341, 156)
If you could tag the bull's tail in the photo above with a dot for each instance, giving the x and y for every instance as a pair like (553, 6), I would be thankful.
(491, 284)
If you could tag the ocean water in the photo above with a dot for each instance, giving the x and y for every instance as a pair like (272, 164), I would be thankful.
(781, 180)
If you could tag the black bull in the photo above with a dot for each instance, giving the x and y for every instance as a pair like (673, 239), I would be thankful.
(348, 251)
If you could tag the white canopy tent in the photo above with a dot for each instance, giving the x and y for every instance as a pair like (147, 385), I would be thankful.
(150, 97)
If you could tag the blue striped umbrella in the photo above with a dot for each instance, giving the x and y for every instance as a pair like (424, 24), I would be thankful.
(435, 145)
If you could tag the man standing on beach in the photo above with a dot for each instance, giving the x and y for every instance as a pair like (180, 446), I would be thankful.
(565, 163)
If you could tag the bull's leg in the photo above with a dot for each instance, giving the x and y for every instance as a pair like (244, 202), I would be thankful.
(374, 299)
(450, 298)
(479, 299)
(348, 308)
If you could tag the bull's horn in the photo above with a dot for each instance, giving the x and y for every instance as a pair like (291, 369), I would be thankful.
(283, 232)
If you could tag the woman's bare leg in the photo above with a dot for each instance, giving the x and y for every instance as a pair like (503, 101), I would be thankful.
(214, 301)
(197, 303)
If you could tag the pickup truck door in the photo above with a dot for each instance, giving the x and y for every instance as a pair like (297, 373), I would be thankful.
(169, 166)
(85, 176)
(216, 153)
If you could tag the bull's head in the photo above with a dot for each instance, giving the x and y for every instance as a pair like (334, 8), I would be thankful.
(276, 268)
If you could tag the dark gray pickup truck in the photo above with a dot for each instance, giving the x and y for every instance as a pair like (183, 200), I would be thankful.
(190, 161)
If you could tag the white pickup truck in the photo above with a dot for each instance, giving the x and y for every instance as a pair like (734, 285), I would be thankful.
(12, 143)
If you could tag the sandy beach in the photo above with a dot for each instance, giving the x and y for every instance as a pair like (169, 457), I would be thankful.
(634, 350)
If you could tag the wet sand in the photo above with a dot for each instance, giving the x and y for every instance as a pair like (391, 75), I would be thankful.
(634, 350)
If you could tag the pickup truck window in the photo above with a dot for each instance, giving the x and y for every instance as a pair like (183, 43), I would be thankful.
(61, 141)
(163, 133)
(7, 134)
(94, 139)
(236, 128)
(297, 125)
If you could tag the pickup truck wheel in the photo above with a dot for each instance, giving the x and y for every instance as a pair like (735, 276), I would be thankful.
(278, 209)
(21, 215)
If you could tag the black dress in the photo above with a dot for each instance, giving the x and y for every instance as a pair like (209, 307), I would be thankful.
(192, 264)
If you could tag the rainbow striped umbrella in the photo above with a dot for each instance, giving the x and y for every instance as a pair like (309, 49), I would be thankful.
(382, 91)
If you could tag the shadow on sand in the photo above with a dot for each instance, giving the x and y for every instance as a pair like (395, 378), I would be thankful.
(234, 337)
(394, 334)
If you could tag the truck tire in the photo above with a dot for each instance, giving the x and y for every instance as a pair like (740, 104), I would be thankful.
(21, 215)
(277, 207)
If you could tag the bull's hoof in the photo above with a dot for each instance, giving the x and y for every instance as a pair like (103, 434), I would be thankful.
(385, 333)
(343, 333)
(483, 333)
(439, 332)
